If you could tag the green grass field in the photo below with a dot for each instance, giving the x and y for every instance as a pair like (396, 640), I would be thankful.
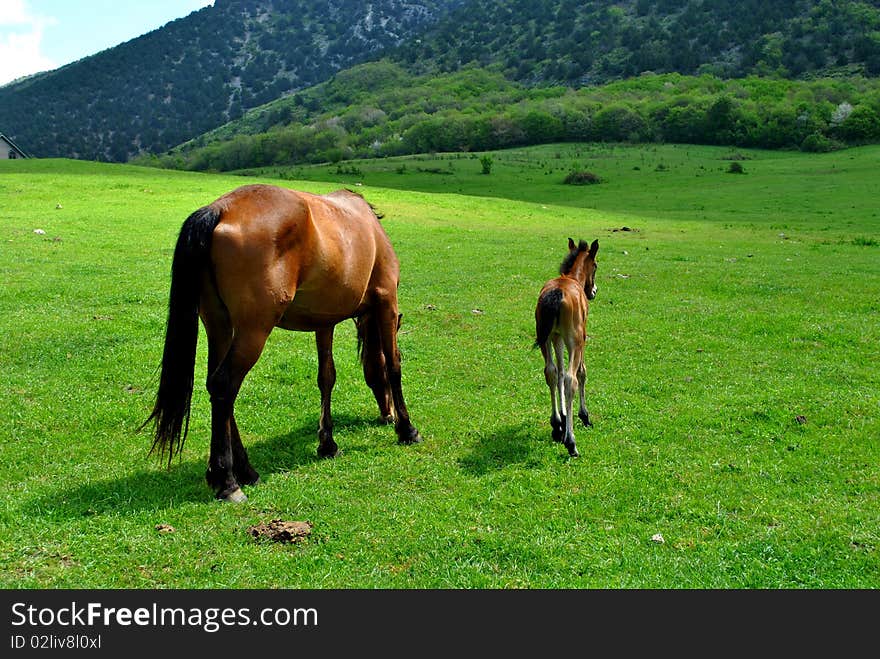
(732, 377)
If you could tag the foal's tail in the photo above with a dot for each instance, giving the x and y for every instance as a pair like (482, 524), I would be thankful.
(546, 314)
(191, 255)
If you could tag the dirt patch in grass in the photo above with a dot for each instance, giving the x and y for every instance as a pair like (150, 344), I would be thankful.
(279, 530)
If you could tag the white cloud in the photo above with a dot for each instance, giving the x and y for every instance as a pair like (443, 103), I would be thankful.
(13, 12)
(21, 41)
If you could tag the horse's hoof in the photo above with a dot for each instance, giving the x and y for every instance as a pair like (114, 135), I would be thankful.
(558, 434)
(387, 419)
(415, 438)
(585, 419)
(327, 451)
(236, 496)
(573, 452)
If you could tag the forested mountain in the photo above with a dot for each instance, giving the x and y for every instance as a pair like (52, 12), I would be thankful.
(578, 43)
(202, 71)
(199, 72)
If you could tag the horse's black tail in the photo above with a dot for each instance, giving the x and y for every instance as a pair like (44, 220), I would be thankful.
(546, 314)
(172, 409)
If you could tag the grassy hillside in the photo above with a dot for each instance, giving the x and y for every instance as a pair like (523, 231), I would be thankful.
(732, 381)
(676, 182)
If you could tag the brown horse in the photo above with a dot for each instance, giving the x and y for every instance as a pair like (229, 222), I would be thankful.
(262, 257)
(561, 324)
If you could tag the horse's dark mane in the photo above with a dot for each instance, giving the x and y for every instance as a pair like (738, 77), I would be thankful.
(378, 215)
(568, 262)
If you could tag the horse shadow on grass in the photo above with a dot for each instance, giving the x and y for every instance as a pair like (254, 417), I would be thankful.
(520, 445)
(157, 488)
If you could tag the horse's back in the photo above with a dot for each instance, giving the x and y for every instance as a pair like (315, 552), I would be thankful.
(299, 258)
(259, 215)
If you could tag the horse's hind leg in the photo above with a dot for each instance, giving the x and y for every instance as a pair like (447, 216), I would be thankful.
(575, 356)
(551, 378)
(223, 386)
(327, 448)
(373, 361)
(219, 333)
(389, 322)
(245, 474)
(583, 414)
(564, 399)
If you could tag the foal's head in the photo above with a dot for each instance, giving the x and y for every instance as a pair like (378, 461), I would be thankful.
(580, 264)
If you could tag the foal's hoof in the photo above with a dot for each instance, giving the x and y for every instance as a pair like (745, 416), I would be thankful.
(236, 496)
(328, 449)
(585, 419)
(558, 427)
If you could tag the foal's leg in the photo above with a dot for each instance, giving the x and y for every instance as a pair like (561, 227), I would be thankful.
(223, 386)
(564, 414)
(326, 379)
(551, 378)
(583, 414)
(575, 356)
(389, 322)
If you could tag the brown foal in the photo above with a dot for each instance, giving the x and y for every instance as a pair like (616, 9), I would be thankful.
(561, 325)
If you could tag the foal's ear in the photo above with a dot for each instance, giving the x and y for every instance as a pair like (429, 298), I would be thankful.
(594, 247)
(571, 244)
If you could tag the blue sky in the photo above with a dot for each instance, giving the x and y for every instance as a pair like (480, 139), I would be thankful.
(40, 35)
